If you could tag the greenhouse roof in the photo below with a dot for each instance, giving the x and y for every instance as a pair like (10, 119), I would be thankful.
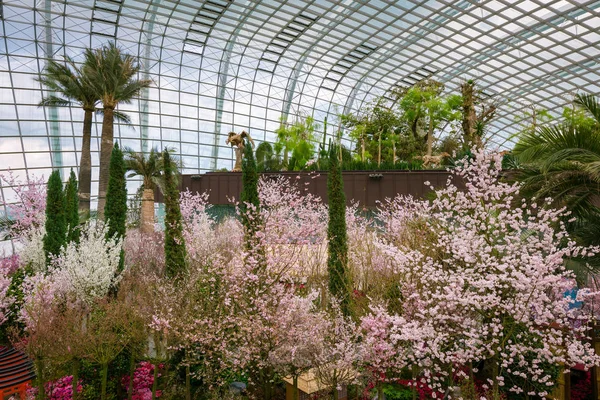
(223, 65)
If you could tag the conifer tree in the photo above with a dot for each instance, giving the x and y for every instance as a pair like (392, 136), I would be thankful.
(72, 209)
(249, 202)
(175, 252)
(56, 226)
(115, 210)
(337, 260)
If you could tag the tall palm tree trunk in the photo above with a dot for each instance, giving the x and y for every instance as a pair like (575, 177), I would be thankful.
(430, 137)
(85, 165)
(379, 149)
(147, 217)
(106, 147)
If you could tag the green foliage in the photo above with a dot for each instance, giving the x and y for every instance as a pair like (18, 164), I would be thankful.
(134, 209)
(175, 252)
(397, 392)
(356, 165)
(513, 380)
(297, 139)
(265, 158)
(562, 162)
(68, 86)
(56, 224)
(425, 109)
(72, 208)
(249, 202)
(111, 75)
(386, 130)
(13, 324)
(115, 211)
(91, 377)
(337, 235)
(579, 117)
(476, 112)
(530, 118)
(449, 144)
(149, 167)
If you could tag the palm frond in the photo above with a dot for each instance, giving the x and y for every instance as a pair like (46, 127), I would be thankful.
(117, 115)
(67, 79)
(54, 101)
(111, 73)
(590, 104)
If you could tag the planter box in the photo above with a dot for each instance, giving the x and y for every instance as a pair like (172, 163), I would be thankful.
(308, 384)
(366, 187)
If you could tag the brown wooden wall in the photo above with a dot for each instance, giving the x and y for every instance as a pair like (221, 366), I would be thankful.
(364, 186)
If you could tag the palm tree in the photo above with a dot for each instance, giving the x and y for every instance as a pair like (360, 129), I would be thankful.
(149, 167)
(111, 75)
(563, 161)
(68, 80)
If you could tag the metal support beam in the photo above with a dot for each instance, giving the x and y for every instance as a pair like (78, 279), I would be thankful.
(144, 97)
(54, 129)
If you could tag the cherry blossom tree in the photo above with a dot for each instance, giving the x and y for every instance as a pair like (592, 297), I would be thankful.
(298, 336)
(337, 363)
(28, 212)
(483, 283)
(89, 267)
(6, 301)
(27, 216)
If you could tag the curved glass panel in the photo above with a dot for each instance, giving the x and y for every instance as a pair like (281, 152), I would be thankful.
(221, 66)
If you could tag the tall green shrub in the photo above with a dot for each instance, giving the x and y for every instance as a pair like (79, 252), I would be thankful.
(56, 226)
(249, 202)
(115, 210)
(175, 252)
(337, 258)
(72, 209)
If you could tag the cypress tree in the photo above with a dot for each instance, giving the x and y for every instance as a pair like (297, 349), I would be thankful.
(72, 209)
(115, 209)
(56, 226)
(249, 202)
(337, 258)
(175, 252)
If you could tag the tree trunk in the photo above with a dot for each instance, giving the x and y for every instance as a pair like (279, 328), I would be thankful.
(363, 150)
(335, 390)
(296, 394)
(414, 127)
(379, 150)
(155, 382)
(469, 116)
(106, 147)
(473, 387)
(85, 166)
(380, 391)
(104, 377)
(414, 381)
(495, 372)
(75, 379)
(40, 380)
(188, 384)
(430, 137)
(131, 374)
(394, 152)
(147, 212)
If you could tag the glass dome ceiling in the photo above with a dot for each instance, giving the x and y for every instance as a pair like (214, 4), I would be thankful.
(223, 65)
